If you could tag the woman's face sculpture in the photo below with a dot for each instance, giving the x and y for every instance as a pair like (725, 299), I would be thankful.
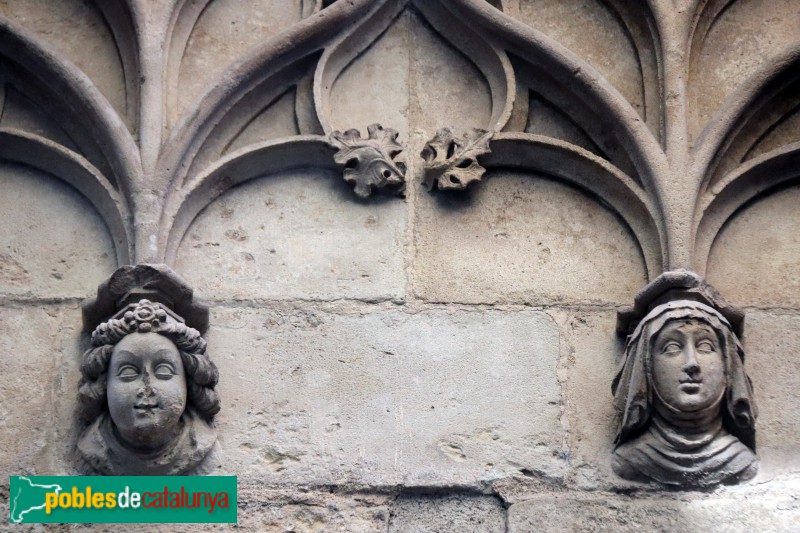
(685, 402)
(688, 369)
(146, 389)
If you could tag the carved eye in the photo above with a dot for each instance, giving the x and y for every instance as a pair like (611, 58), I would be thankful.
(706, 346)
(128, 372)
(671, 347)
(165, 371)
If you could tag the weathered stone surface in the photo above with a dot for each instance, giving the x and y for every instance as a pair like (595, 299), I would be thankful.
(773, 344)
(595, 32)
(377, 347)
(386, 64)
(446, 87)
(295, 511)
(754, 259)
(432, 514)
(298, 235)
(54, 244)
(276, 121)
(224, 32)
(77, 30)
(430, 398)
(422, 83)
(742, 511)
(310, 511)
(591, 360)
(522, 239)
(31, 369)
(739, 41)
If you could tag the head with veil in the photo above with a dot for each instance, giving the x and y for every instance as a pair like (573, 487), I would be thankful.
(686, 414)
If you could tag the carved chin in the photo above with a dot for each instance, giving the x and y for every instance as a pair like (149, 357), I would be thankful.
(692, 397)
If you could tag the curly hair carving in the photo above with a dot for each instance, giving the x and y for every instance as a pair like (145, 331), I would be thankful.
(201, 373)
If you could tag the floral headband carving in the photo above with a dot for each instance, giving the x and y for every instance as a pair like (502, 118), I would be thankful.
(144, 317)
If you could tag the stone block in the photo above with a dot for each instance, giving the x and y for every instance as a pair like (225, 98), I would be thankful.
(445, 86)
(429, 398)
(733, 512)
(297, 235)
(772, 345)
(523, 239)
(435, 514)
(309, 511)
(593, 354)
(54, 243)
(295, 511)
(30, 345)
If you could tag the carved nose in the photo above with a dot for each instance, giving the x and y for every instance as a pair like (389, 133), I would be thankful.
(690, 366)
(145, 389)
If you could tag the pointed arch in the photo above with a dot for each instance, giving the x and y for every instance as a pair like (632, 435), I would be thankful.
(251, 73)
(72, 96)
(735, 190)
(42, 154)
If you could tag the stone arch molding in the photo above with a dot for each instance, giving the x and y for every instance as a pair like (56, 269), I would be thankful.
(150, 168)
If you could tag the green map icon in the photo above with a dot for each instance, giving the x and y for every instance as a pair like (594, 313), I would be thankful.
(26, 497)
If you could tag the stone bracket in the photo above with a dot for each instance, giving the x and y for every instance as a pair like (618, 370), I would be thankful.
(154, 282)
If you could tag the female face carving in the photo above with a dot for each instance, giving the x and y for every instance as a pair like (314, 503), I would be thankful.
(688, 369)
(146, 389)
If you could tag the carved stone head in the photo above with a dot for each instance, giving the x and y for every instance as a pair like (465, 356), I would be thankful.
(688, 367)
(685, 404)
(147, 394)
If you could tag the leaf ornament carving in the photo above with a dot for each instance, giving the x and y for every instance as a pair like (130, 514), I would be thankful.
(372, 162)
(452, 162)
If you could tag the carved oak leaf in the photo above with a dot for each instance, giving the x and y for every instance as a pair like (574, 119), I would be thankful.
(451, 162)
(370, 162)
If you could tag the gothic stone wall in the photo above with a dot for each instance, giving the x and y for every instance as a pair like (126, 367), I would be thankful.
(435, 362)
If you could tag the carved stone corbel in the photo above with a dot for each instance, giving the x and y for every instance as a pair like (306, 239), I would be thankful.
(147, 390)
(686, 414)
(452, 162)
(372, 162)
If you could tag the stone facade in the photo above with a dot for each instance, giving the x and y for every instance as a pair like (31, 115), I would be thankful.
(415, 328)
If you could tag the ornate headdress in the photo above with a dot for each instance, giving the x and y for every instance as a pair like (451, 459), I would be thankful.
(144, 317)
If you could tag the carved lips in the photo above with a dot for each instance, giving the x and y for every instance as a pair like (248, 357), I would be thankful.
(691, 385)
(145, 408)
